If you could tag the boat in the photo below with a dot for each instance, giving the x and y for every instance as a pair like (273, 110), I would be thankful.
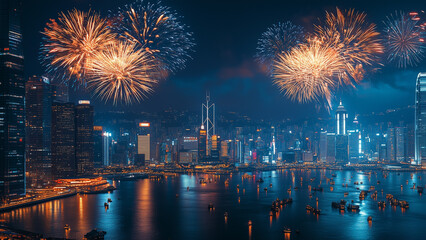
(319, 189)
(260, 180)
(381, 204)
(109, 200)
(352, 207)
(419, 189)
(226, 214)
(286, 230)
(67, 227)
(345, 194)
(265, 189)
(250, 223)
(211, 207)
(333, 175)
(370, 218)
(106, 205)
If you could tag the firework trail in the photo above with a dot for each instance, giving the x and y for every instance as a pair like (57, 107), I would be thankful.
(70, 43)
(157, 30)
(308, 72)
(404, 40)
(356, 41)
(278, 39)
(121, 74)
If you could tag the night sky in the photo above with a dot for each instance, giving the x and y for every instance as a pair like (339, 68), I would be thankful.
(226, 34)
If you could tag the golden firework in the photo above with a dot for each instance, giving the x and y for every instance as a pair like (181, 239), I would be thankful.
(121, 73)
(356, 41)
(71, 42)
(308, 72)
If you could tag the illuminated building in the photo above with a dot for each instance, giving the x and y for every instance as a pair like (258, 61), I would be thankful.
(202, 144)
(420, 120)
(342, 149)
(60, 92)
(98, 146)
(63, 140)
(331, 147)
(215, 141)
(84, 142)
(12, 101)
(353, 142)
(144, 146)
(390, 145)
(400, 144)
(106, 141)
(323, 147)
(38, 111)
(341, 117)
(208, 121)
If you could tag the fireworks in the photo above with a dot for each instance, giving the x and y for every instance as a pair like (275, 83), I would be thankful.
(158, 30)
(308, 72)
(354, 39)
(278, 39)
(121, 74)
(405, 45)
(71, 42)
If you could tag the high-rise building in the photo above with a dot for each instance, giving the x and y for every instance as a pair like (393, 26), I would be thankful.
(106, 148)
(63, 140)
(390, 145)
(215, 144)
(144, 146)
(341, 117)
(331, 147)
(38, 111)
(420, 120)
(12, 101)
(202, 144)
(323, 147)
(354, 146)
(98, 144)
(400, 144)
(208, 121)
(342, 149)
(60, 92)
(84, 145)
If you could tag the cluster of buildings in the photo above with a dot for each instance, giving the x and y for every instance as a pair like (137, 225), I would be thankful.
(44, 136)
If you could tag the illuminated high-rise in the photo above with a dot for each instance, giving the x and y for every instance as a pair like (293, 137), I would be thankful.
(38, 111)
(341, 117)
(420, 120)
(84, 142)
(12, 101)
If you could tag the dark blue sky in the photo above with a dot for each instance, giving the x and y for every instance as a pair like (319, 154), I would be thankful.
(226, 34)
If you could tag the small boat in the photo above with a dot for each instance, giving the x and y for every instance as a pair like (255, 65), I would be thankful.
(419, 189)
(67, 227)
(260, 180)
(106, 205)
(286, 230)
(109, 200)
(250, 223)
(210, 207)
(265, 189)
(370, 218)
(333, 175)
(226, 214)
(352, 207)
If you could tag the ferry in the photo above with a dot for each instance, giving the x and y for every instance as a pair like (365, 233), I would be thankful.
(286, 230)
(67, 227)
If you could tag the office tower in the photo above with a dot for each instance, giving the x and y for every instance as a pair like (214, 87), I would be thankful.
(224, 147)
(342, 149)
(98, 137)
(400, 144)
(331, 147)
(420, 120)
(202, 144)
(341, 117)
(38, 111)
(84, 145)
(60, 92)
(215, 143)
(144, 146)
(106, 141)
(354, 146)
(382, 152)
(12, 101)
(208, 121)
(63, 140)
(390, 145)
(323, 147)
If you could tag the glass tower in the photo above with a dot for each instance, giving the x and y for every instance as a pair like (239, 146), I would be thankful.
(420, 120)
(12, 102)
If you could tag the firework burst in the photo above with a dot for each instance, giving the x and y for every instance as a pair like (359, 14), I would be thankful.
(356, 41)
(121, 73)
(404, 41)
(158, 30)
(278, 39)
(72, 41)
(308, 72)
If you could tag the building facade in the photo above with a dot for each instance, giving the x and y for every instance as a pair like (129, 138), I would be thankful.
(420, 120)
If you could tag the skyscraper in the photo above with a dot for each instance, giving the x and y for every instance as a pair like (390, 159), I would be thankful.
(390, 145)
(331, 147)
(98, 146)
(341, 117)
(420, 120)
(12, 101)
(84, 142)
(323, 146)
(38, 110)
(63, 140)
(342, 149)
(202, 144)
(144, 148)
(400, 144)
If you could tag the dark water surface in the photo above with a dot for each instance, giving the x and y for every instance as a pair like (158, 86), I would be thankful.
(149, 209)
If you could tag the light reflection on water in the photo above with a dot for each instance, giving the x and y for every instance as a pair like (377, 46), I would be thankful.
(165, 209)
